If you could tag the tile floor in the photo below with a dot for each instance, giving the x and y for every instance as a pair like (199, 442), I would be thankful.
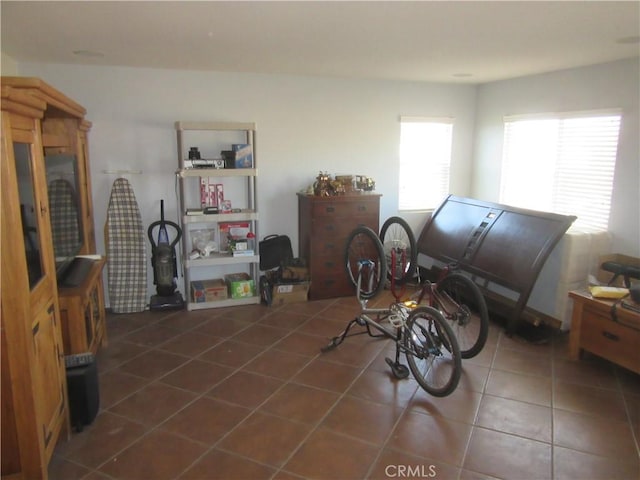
(244, 393)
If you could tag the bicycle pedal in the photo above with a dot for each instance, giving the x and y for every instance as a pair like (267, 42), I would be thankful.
(399, 371)
(396, 320)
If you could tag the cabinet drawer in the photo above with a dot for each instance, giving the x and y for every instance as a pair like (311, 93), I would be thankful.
(331, 247)
(342, 208)
(329, 278)
(330, 286)
(340, 228)
(330, 265)
(613, 341)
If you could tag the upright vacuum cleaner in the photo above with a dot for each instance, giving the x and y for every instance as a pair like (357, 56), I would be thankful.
(165, 266)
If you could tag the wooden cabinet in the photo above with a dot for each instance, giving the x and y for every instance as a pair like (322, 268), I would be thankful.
(64, 130)
(324, 223)
(38, 121)
(593, 329)
(82, 313)
(34, 398)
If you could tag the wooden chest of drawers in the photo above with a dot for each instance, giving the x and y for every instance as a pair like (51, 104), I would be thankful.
(324, 223)
(593, 329)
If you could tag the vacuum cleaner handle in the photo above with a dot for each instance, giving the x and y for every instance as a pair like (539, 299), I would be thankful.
(162, 223)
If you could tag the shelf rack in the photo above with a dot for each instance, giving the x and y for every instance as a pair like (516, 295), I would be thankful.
(217, 263)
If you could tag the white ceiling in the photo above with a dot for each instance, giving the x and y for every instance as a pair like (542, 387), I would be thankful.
(445, 41)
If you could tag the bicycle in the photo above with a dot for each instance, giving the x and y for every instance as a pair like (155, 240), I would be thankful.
(397, 236)
(457, 297)
(420, 332)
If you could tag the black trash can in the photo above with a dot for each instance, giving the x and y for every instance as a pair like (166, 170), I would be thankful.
(83, 389)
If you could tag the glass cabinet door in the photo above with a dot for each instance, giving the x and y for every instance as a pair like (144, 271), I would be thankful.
(29, 212)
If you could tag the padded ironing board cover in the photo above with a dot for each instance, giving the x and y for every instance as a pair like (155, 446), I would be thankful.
(126, 251)
(63, 206)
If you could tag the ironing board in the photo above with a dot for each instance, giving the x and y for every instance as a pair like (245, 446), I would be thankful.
(63, 206)
(126, 251)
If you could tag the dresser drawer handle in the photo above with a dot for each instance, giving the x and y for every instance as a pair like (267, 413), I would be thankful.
(330, 209)
(610, 336)
(362, 208)
(329, 264)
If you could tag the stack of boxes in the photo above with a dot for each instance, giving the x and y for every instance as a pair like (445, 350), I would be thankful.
(234, 285)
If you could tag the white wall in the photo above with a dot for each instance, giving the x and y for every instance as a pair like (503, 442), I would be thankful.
(305, 124)
(8, 65)
(308, 124)
(615, 84)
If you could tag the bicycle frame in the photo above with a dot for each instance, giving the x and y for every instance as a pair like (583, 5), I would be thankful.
(436, 300)
(421, 334)
(396, 313)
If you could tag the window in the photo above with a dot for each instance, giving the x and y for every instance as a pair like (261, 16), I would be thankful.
(425, 158)
(562, 164)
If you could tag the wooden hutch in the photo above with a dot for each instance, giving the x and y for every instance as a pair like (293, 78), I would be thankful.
(40, 322)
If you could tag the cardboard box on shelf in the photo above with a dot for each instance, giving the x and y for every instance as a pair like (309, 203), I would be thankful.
(244, 155)
(232, 232)
(208, 290)
(240, 156)
(211, 194)
(219, 187)
(240, 285)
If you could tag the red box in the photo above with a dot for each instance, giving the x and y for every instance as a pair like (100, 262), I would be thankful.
(233, 230)
(211, 194)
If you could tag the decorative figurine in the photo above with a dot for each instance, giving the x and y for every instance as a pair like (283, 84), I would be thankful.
(365, 183)
(322, 185)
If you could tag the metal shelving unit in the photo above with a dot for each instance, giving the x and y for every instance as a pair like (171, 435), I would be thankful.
(217, 264)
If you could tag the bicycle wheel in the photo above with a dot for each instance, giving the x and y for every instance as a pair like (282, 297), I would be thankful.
(432, 351)
(365, 262)
(396, 235)
(464, 308)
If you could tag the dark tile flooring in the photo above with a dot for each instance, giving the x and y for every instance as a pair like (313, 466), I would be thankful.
(244, 393)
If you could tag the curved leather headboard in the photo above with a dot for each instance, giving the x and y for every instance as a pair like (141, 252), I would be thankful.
(499, 243)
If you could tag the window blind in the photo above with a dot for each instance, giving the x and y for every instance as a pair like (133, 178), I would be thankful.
(564, 164)
(425, 159)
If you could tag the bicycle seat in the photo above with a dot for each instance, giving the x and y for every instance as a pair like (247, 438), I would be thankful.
(627, 272)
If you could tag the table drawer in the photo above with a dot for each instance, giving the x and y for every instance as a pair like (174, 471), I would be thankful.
(608, 339)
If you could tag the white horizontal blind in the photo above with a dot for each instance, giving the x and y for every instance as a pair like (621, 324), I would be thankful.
(563, 164)
(425, 159)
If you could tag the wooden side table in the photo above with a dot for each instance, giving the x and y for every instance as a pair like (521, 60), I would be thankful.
(83, 314)
(593, 329)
